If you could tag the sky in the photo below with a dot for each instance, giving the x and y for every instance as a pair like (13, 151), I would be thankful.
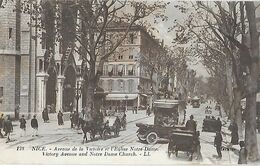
(163, 33)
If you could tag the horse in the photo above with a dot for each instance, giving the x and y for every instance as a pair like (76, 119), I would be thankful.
(86, 127)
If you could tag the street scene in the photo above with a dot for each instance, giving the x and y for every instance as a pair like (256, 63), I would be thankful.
(129, 82)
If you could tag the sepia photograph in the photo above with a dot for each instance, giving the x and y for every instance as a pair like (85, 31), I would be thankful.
(129, 82)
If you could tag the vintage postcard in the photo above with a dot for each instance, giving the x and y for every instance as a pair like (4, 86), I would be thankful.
(129, 82)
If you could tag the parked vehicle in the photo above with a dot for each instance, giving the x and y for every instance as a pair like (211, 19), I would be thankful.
(168, 115)
(195, 102)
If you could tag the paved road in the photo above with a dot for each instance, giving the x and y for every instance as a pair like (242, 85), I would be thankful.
(53, 135)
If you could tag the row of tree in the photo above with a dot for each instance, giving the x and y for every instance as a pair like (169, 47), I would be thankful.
(227, 42)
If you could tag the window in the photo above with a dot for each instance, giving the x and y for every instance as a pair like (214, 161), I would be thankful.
(120, 70)
(110, 70)
(130, 70)
(10, 33)
(120, 57)
(131, 57)
(131, 36)
(1, 94)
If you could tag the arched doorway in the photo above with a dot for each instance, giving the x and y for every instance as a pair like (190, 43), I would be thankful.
(51, 89)
(69, 89)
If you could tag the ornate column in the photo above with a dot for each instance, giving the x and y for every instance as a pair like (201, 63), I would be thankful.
(42, 78)
(59, 95)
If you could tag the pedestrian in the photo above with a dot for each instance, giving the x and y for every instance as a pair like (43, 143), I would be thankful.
(8, 128)
(242, 153)
(1, 125)
(34, 125)
(45, 115)
(17, 112)
(60, 118)
(71, 119)
(135, 110)
(22, 126)
(218, 144)
(191, 124)
(148, 111)
(219, 125)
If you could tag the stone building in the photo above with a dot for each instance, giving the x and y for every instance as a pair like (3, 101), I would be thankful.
(124, 78)
(39, 71)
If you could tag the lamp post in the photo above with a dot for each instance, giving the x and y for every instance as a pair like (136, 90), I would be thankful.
(78, 95)
(126, 97)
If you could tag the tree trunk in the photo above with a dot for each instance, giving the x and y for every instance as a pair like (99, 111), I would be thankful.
(250, 129)
(251, 139)
(238, 113)
(231, 110)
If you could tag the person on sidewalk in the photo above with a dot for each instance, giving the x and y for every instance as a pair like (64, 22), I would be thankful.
(8, 128)
(1, 125)
(218, 143)
(60, 118)
(22, 126)
(135, 110)
(191, 124)
(45, 115)
(34, 124)
(219, 125)
(242, 153)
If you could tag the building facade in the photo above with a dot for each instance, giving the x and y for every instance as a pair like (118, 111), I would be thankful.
(125, 79)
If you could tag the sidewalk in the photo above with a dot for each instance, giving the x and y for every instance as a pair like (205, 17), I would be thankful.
(52, 128)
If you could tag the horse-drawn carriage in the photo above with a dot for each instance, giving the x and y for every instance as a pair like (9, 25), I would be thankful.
(168, 115)
(103, 125)
(183, 140)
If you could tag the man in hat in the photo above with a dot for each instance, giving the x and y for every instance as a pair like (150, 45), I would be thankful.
(191, 124)
(22, 126)
(218, 143)
(8, 128)
(34, 124)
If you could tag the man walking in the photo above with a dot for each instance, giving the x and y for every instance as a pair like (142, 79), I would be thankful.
(8, 128)
(191, 124)
(1, 125)
(22, 126)
(218, 143)
(242, 153)
(34, 124)
(148, 111)
(60, 118)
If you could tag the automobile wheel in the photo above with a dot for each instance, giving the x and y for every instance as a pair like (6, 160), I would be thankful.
(152, 138)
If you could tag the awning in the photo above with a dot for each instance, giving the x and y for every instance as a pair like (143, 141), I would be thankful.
(121, 97)
(110, 68)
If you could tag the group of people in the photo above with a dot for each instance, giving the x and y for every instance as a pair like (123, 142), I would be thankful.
(191, 125)
(7, 126)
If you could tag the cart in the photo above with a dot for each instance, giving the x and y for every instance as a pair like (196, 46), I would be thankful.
(182, 140)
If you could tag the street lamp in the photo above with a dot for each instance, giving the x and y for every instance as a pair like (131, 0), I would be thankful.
(126, 97)
(78, 95)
